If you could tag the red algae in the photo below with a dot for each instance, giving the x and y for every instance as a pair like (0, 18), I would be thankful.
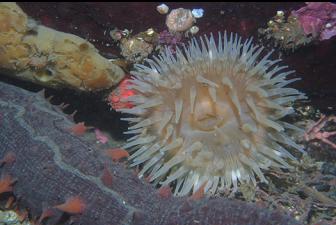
(73, 205)
(117, 153)
(165, 192)
(6, 184)
(107, 177)
(79, 128)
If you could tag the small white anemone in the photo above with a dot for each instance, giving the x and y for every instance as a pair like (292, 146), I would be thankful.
(162, 8)
(198, 13)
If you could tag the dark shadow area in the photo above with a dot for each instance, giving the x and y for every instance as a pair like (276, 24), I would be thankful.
(91, 107)
(314, 63)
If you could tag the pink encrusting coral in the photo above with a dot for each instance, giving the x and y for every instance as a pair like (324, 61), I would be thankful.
(102, 138)
(170, 40)
(318, 19)
(167, 38)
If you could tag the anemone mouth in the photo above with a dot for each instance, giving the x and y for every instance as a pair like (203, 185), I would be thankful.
(205, 117)
(207, 122)
(210, 115)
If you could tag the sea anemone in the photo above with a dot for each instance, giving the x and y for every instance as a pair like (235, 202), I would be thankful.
(210, 115)
(180, 20)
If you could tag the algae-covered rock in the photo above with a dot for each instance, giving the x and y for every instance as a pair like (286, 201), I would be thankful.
(10, 217)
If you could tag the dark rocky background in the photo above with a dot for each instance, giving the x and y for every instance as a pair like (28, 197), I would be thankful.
(315, 63)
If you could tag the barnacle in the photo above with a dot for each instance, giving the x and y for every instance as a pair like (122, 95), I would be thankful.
(210, 116)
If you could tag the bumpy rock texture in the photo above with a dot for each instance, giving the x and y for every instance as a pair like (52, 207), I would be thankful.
(52, 164)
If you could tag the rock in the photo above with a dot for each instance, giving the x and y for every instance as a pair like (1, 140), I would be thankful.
(322, 187)
(328, 168)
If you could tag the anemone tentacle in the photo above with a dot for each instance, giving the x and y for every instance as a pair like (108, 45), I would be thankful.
(211, 114)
